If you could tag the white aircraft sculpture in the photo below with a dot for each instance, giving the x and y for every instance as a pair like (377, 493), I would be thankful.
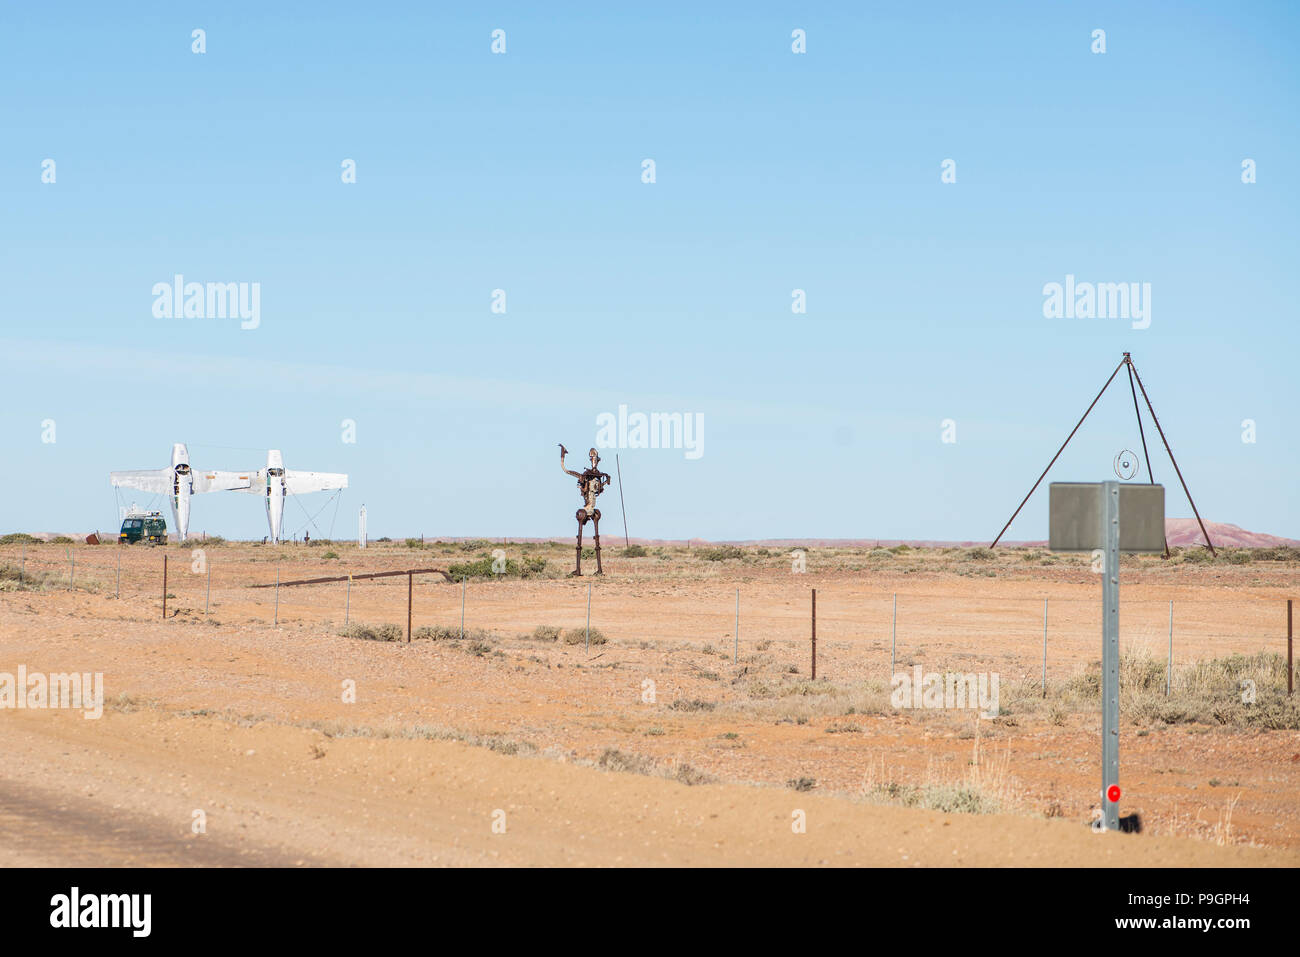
(277, 483)
(179, 482)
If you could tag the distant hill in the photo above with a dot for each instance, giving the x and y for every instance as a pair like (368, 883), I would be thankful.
(1185, 531)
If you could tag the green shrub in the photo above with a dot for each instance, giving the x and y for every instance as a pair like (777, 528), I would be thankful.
(452, 633)
(18, 538)
(482, 568)
(578, 636)
(374, 632)
(721, 553)
(635, 551)
(612, 759)
(692, 704)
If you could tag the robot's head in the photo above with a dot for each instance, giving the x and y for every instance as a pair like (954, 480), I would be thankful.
(595, 459)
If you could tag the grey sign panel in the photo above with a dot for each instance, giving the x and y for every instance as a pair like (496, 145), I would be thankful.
(1141, 518)
(1075, 517)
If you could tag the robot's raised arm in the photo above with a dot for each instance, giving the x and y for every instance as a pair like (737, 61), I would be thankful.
(563, 453)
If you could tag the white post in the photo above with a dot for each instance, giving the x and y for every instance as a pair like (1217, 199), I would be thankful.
(361, 528)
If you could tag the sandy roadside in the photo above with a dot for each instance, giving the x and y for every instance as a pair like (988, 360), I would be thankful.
(281, 795)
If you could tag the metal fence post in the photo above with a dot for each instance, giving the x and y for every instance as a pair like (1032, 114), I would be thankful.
(1169, 668)
(735, 658)
(22, 572)
(72, 568)
(463, 579)
(814, 634)
(410, 590)
(893, 637)
(1044, 647)
(207, 597)
(1290, 668)
(164, 586)
(277, 595)
(588, 619)
(347, 602)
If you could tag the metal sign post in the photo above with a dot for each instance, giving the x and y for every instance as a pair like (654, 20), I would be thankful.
(1107, 518)
(1110, 657)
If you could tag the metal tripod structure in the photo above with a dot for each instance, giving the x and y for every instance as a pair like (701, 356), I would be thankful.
(1133, 378)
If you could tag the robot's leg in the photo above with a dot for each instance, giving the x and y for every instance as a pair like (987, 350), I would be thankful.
(595, 524)
(577, 567)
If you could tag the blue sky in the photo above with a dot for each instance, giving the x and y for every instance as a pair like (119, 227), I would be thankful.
(775, 171)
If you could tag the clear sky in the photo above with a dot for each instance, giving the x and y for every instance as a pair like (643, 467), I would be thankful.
(523, 171)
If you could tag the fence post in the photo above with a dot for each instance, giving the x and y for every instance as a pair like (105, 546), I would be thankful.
(1044, 647)
(208, 594)
(72, 568)
(117, 590)
(277, 595)
(1290, 668)
(164, 586)
(893, 637)
(735, 658)
(22, 572)
(1169, 668)
(589, 619)
(814, 634)
(410, 588)
(463, 579)
(347, 604)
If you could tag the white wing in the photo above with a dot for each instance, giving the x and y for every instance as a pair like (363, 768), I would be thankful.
(300, 483)
(256, 482)
(222, 481)
(158, 481)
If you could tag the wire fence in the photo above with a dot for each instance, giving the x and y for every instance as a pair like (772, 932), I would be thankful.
(861, 632)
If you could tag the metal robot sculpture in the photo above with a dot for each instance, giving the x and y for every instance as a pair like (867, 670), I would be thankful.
(591, 483)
